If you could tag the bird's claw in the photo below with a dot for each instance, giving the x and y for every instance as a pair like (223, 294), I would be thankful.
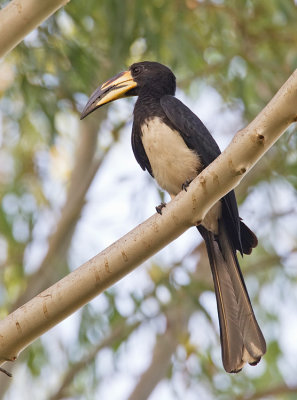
(186, 184)
(159, 208)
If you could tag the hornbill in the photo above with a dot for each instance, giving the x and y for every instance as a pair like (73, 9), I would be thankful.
(173, 145)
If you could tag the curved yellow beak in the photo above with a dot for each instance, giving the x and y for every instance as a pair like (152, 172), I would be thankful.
(113, 89)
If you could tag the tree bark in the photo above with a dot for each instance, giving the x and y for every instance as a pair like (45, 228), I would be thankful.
(47, 309)
(20, 17)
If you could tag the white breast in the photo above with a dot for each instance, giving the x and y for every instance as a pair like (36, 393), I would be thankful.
(172, 162)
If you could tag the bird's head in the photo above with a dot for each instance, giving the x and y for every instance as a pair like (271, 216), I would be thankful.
(143, 77)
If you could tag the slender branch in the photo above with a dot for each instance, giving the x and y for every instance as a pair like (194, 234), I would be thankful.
(20, 17)
(165, 347)
(118, 333)
(275, 391)
(5, 372)
(52, 266)
(82, 176)
(37, 316)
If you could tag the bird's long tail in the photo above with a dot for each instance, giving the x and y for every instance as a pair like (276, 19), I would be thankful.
(241, 338)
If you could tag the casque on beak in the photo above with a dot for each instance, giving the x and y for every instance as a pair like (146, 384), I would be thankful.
(113, 89)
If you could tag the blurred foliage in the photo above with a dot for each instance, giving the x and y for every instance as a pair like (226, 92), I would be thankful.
(245, 50)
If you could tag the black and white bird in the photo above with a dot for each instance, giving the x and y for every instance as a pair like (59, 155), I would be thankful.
(173, 145)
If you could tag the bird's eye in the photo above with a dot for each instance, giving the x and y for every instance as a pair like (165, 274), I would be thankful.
(136, 70)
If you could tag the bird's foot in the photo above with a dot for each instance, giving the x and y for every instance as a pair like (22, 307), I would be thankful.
(159, 208)
(186, 184)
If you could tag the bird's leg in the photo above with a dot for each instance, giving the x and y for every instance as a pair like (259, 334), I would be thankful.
(186, 184)
(159, 208)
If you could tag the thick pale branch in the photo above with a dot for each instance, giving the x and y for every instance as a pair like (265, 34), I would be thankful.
(20, 17)
(54, 304)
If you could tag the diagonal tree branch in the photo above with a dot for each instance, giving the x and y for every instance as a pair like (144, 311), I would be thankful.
(20, 17)
(37, 316)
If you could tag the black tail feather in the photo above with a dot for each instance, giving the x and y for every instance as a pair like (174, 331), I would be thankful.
(248, 238)
(241, 338)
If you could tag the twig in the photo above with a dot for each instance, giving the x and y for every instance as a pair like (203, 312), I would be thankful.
(5, 372)
(276, 391)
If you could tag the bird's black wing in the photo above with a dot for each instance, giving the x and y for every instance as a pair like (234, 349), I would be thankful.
(198, 138)
(192, 130)
(138, 149)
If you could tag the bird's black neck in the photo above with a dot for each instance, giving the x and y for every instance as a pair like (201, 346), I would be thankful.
(148, 106)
